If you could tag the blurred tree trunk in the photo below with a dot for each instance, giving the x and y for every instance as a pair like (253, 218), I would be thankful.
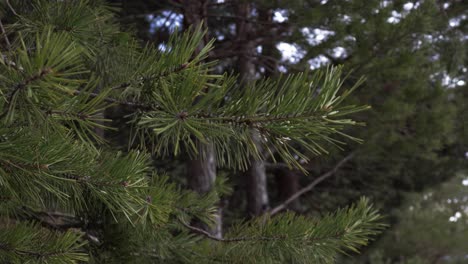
(256, 178)
(286, 179)
(201, 172)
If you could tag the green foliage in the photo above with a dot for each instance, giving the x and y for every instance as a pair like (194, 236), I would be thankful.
(431, 227)
(24, 243)
(58, 172)
(299, 239)
(416, 131)
(413, 125)
(284, 112)
(90, 24)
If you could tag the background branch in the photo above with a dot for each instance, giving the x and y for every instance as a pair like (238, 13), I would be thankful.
(7, 41)
(309, 187)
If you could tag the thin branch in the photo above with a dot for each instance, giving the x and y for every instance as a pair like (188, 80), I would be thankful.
(11, 8)
(7, 41)
(121, 86)
(249, 120)
(116, 101)
(176, 69)
(29, 80)
(309, 187)
(20, 86)
(201, 232)
(78, 115)
(54, 220)
(228, 240)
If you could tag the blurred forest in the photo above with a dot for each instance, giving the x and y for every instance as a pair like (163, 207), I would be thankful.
(411, 162)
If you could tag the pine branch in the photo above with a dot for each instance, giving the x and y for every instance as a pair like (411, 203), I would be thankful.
(117, 101)
(174, 70)
(310, 186)
(127, 84)
(18, 87)
(250, 120)
(23, 243)
(34, 254)
(229, 240)
(41, 74)
(46, 162)
(83, 180)
(319, 240)
(121, 86)
(80, 115)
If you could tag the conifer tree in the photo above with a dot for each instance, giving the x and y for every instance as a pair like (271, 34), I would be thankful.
(414, 139)
(411, 128)
(68, 196)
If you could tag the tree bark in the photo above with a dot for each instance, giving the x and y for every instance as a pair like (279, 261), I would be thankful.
(201, 172)
(257, 191)
(255, 176)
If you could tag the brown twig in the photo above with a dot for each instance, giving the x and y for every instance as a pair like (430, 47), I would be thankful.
(311, 185)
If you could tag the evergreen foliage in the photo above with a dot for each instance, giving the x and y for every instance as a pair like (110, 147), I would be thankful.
(67, 197)
(432, 228)
(412, 128)
(416, 131)
(412, 133)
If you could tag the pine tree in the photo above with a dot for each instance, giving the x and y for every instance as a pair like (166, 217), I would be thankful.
(412, 121)
(411, 128)
(414, 138)
(68, 196)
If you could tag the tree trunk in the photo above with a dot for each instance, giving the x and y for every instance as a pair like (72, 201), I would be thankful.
(286, 179)
(288, 184)
(257, 192)
(201, 172)
(256, 178)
